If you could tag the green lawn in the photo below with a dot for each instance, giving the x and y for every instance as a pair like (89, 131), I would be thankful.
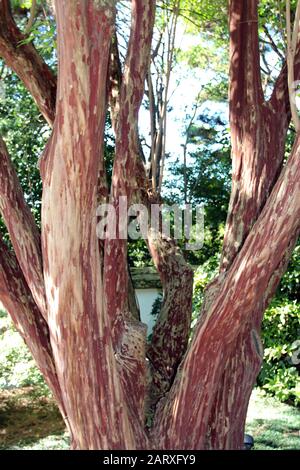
(273, 425)
(28, 421)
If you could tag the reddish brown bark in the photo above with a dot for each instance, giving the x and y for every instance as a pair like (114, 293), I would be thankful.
(23, 231)
(258, 130)
(258, 127)
(240, 373)
(171, 331)
(170, 336)
(126, 93)
(17, 300)
(78, 322)
(27, 63)
(214, 340)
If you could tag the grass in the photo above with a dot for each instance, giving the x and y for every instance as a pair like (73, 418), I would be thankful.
(31, 421)
(274, 425)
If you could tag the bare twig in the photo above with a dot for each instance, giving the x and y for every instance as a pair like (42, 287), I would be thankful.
(31, 17)
(272, 43)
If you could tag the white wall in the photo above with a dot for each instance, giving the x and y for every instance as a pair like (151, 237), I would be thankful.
(146, 298)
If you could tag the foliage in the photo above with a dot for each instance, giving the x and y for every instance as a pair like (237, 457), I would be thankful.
(157, 305)
(138, 254)
(18, 112)
(280, 332)
(202, 277)
(17, 367)
(206, 179)
(290, 283)
(203, 15)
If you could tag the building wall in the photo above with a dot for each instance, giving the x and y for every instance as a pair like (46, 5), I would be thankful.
(146, 298)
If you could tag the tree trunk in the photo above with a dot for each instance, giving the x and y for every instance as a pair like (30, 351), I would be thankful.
(244, 286)
(258, 130)
(80, 329)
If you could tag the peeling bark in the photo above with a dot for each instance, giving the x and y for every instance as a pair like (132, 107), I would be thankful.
(171, 331)
(91, 347)
(229, 411)
(78, 321)
(257, 151)
(23, 231)
(126, 93)
(259, 130)
(214, 340)
(170, 336)
(17, 300)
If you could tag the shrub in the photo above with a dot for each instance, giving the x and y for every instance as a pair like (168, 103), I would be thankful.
(202, 277)
(17, 367)
(280, 333)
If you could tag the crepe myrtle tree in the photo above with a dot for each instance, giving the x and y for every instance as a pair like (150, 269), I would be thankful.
(69, 293)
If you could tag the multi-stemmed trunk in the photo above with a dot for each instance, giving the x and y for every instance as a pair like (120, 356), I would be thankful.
(67, 292)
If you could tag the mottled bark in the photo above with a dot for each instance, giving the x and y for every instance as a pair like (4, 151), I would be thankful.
(24, 233)
(171, 331)
(93, 351)
(25, 61)
(258, 130)
(257, 150)
(78, 321)
(126, 93)
(258, 127)
(17, 300)
(170, 336)
(215, 338)
(229, 411)
(114, 82)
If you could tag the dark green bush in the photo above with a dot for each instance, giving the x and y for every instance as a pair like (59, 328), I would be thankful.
(281, 338)
(17, 367)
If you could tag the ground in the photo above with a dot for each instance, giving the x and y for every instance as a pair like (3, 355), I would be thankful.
(273, 425)
(31, 421)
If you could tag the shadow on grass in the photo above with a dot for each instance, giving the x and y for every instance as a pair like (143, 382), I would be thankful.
(29, 420)
(274, 434)
(274, 425)
(26, 418)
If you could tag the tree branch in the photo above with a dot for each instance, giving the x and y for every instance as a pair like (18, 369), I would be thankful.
(245, 78)
(125, 183)
(70, 173)
(23, 231)
(114, 81)
(272, 43)
(215, 336)
(256, 162)
(17, 300)
(31, 17)
(171, 331)
(127, 149)
(25, 61)
(292, 39)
